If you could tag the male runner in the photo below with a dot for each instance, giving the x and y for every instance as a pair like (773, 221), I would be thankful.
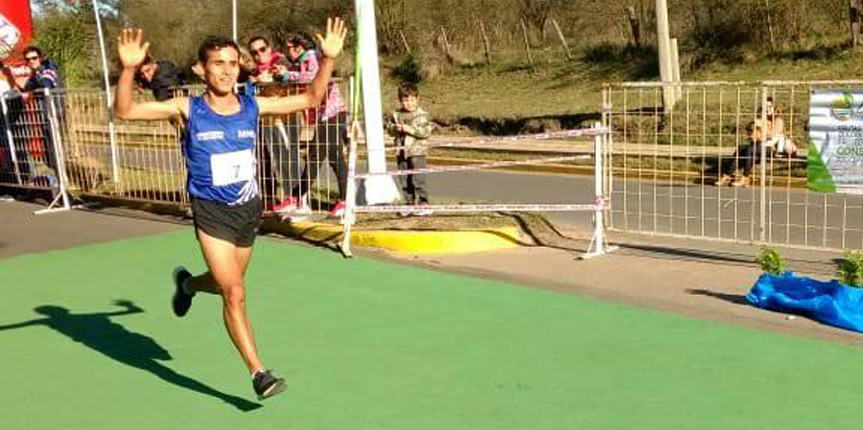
(219, 148)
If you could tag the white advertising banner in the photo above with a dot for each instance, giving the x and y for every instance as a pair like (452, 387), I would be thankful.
(836, 141)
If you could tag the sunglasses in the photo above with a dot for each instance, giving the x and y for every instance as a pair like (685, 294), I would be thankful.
(261, 50)
(31, 58)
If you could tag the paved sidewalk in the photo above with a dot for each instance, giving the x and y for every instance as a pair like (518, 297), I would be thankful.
(22, 232)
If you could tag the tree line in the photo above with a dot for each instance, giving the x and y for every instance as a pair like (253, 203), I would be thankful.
(708, 30)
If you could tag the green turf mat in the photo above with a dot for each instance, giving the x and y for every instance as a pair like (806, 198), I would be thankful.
(370, 345)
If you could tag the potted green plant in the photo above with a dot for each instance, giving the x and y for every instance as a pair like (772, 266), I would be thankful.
(771, 261)
(838, 302)
(851, 269)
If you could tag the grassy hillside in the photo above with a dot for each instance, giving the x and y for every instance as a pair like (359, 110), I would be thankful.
(555, 89)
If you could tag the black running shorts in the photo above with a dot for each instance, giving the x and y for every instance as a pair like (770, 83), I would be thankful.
(236, 224)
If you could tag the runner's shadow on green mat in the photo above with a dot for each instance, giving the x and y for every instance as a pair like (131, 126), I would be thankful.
(98, 332)
(737, 299)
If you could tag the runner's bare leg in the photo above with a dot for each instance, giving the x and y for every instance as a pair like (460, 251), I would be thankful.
(227, 264)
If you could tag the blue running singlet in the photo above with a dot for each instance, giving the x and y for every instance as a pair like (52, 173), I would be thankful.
(220, 152)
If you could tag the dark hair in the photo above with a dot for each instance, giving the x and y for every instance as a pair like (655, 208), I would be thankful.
(303, 39)
(33, 48)
(139, 75)
(408, 89)
(257, 38)
(214, 43)
(777, 108)
(298, 40)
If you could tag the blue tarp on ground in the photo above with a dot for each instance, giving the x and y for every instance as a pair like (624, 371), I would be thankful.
(829, 302)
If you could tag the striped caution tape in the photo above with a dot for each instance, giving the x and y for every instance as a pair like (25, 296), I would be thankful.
(492, 141)
(476, 166)
(483, 208)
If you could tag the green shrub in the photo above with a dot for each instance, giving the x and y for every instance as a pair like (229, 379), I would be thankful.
(409, 70)
(851, 268)
(67, 39)
(771, 261)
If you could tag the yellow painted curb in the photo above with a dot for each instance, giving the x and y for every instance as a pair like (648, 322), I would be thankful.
(405, 241)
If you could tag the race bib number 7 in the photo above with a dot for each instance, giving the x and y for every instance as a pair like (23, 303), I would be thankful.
(232, 167)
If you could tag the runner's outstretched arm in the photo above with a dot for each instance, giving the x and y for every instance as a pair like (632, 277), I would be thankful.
(132, 50)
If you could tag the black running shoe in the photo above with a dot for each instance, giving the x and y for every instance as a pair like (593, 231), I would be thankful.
(267, 385)
(182, 300)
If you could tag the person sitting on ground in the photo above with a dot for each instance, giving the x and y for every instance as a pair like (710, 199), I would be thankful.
(777, 141)
(737, 169)
(330, 119)
(412, 127)
(161, 77)
(771, 134)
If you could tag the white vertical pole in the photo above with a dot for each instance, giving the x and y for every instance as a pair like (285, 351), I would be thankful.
(234, 19)
(599, 224)
(608, 150)
(765, 136)
(379, 189)
(10, 139)
(597, 244)
(351, 192)
(59, 157)
(108, 100)
(351, 99)
(662, 34)
(675, 70)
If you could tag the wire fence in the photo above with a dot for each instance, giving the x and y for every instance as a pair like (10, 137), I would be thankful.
(80, 150)
(28, 155)
(723, 165)
(144, 161)
(720, 165)
(409, 175)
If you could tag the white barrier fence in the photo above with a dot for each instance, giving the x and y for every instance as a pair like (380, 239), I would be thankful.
(599, 206)
(658, 171)
(694, 172)
(146, 162)
(32, 154)
(64, 142)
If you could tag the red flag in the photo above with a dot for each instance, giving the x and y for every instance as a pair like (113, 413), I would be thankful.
(15, 26)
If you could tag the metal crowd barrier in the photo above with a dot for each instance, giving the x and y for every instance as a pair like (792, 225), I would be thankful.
(681, 172)
(65, 141)
(599, 206)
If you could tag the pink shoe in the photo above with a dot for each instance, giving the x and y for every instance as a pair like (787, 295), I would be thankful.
(338, 210)
(301, 213)
(289, 204)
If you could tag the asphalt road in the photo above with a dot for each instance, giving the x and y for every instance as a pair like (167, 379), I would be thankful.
(792, 216)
